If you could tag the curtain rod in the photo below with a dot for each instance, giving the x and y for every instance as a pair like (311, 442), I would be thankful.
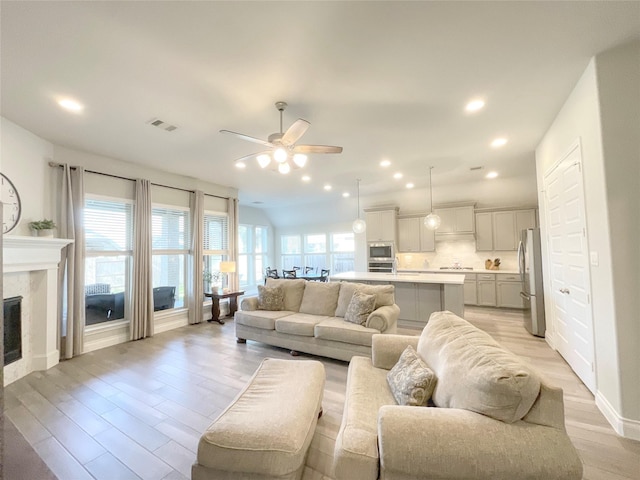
(54, 164)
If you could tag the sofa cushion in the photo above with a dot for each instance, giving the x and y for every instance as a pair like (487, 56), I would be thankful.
(360, 306)
(384, 295)
(270, 298)
(299, 324)
(320, 298)
(264, 319)
(474, 372)
(411, 380)
(293, 290)
(340, 331)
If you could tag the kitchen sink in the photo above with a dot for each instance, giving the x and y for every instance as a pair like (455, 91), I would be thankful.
(456, 268)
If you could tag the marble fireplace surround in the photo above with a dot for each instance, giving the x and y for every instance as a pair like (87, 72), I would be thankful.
(39, 257)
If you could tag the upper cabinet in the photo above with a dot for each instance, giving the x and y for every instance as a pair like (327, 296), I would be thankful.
(455, 220)
(413, 236)
(500, 230)
(381, 225)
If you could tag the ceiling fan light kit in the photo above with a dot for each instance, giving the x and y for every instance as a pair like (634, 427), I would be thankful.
(284, 151)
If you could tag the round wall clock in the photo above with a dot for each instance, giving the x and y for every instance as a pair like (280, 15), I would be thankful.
(11, 206)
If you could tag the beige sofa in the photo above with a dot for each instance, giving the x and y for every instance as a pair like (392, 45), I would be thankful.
(312, 319)
(497, 418)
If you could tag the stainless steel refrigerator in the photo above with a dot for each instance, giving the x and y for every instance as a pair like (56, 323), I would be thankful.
(530, 265)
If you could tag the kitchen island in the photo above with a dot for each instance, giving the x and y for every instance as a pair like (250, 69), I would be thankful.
(417, 295)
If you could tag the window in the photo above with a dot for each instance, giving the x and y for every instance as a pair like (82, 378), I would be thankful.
(252, 254)
(216, 241)
(332, 251)
(291, 251)
(108, 227)
(343, 249)
(170, 244)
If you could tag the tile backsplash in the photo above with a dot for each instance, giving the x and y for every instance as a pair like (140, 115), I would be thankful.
(462, 251)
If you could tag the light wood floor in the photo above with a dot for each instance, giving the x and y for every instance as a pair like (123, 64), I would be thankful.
(137, 410)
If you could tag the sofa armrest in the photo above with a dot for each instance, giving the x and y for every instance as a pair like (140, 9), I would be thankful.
(425, 442)
(386, 349)
(384, 319)
(249, 304)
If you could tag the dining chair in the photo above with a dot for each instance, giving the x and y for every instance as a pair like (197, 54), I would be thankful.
(271, 273)
(324, 274)
(308, 269)
(289, 274)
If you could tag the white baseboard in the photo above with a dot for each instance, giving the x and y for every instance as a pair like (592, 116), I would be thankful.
(165, 326)
(106, 341)
(624, 427)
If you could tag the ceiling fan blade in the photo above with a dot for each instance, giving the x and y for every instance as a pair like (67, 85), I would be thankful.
(248, 138)
(316, 149)
(253, 155)
(294, 132)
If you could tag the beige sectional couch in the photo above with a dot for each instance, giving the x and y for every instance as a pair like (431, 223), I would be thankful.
(312, 318)
(495, 417)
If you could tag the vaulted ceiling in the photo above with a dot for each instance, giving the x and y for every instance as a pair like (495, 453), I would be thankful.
(384, 80)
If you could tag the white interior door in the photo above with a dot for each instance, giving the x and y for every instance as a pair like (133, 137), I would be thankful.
(568, 266)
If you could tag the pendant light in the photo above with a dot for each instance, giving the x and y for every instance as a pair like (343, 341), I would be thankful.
(359, 225)
(431, 221)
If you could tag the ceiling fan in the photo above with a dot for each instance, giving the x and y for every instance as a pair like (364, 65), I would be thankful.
(283, 150)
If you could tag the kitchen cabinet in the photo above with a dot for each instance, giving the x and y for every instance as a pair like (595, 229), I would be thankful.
(470, 289)
(508, 287)
(486, 288)
(381, 225)
(413, 236)
(455, 220)
(500, 230)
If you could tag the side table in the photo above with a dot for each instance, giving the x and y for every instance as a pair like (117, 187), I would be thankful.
(215, 304)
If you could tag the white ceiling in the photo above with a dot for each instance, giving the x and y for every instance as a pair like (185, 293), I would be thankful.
(385, 80)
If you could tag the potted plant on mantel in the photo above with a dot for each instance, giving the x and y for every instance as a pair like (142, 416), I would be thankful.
(42, 228)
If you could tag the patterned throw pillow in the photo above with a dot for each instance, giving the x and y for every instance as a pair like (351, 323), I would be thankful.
(270, 298)
(360, 307)
(412, 382)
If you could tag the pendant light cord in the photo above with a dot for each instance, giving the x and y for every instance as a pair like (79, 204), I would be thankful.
(430, 192)
(358, 180)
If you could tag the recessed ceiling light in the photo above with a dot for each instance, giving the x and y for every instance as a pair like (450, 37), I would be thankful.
(409, 185)
(474, 105)
(306, 178)
(491, 175)
(346, 194)
(71, 105)
(241, 165)
(499, 142)
(385, 163)
(397, 176)
(328, 187)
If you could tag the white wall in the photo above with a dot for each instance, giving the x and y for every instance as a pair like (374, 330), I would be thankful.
(580, 118)
(24, 158)
(618, 76)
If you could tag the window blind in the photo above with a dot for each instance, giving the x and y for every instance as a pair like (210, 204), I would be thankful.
(108, 225)
(170, 228)
(216, 235)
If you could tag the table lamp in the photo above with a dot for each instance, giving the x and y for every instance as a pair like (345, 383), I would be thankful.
(227, 267)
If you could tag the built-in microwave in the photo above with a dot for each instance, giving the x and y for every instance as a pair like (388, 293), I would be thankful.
(381, 251)
(381, 267)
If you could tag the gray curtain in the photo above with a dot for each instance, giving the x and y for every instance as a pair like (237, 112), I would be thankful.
(71, 314)
(195, 288)
(142, 305)
(234, 284)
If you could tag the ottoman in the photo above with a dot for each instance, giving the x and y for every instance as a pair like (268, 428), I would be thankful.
(266, 431)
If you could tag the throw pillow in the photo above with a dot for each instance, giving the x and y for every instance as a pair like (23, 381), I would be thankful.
(360, 307)
(412, 382)
(270, 298)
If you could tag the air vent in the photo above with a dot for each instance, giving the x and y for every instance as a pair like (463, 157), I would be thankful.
(162, 124)
(476, 168)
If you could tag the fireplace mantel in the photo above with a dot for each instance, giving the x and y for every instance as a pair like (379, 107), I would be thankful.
(37, 256)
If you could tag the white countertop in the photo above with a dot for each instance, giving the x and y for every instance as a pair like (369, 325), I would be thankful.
(456, 278)
(455, 270)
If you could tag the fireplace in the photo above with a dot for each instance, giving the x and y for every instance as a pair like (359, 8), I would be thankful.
(12, 329)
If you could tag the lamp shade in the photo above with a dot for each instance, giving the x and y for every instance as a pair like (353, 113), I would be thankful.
(228, 267)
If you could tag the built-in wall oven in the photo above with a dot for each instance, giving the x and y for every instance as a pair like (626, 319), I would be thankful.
(381, 267)
(380, 257)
